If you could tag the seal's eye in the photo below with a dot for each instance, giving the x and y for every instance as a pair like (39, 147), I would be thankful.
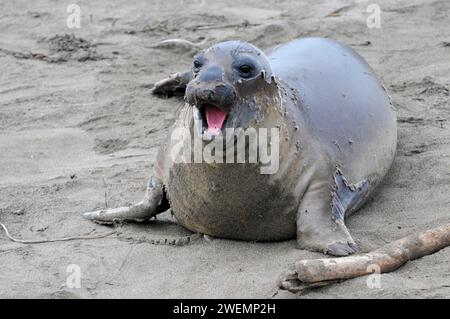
(197, 65)
(246, 70)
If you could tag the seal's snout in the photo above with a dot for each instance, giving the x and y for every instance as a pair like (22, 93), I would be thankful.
(205, 96)
(221, 95)
(214, 104)
(213, 101)
(210, 87)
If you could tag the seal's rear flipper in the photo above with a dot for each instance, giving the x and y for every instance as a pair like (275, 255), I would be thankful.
(347, 197)
(173, 85)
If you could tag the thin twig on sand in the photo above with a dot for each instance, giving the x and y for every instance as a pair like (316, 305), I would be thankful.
(42, 241)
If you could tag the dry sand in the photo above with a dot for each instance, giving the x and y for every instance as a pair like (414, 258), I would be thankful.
(78, 127)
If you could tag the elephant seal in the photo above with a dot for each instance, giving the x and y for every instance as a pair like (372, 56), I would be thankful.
(336, 141)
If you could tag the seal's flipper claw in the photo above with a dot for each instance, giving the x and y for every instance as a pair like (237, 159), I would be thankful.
(342, 248)
(94, 216)
(173, 85)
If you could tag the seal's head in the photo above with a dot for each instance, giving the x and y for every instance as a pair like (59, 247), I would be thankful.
(227, 80)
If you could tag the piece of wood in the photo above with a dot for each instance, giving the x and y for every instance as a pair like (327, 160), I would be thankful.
(318, 272)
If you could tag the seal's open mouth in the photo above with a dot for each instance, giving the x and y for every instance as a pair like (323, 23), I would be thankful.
(212, 119)
(215, 118)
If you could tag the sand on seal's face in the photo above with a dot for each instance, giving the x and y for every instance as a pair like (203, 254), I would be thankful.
(77, 121)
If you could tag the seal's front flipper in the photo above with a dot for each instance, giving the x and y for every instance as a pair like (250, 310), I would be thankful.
(347, 197)
(154, 202)
(173, 85)
(317, 226)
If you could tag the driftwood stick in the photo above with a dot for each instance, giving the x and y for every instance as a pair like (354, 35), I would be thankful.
(313, 272)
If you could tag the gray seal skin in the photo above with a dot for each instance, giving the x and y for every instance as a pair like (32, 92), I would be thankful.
(337, 133)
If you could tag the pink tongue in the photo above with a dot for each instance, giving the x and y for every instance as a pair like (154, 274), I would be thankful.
(215, 118)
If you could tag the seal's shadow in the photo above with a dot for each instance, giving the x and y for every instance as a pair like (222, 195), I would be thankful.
(162, 228)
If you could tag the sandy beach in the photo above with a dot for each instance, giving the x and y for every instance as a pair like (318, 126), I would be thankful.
(79, 130)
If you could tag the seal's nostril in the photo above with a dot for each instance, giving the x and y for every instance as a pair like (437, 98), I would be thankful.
(220, 95)
(210, 95)
(205, 95)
